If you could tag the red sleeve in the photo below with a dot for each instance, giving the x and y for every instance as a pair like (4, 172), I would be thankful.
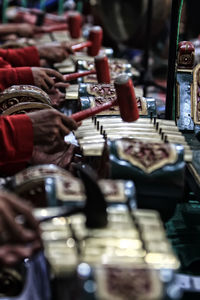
(4, 64)
(27, 56)
(16, 142)
(13, 76)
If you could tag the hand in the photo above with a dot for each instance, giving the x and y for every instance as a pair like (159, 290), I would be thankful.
(62, 158)
(49, 129)
(12, 254)
(54, 51)
(25, 29)
(17, 239)
(42, 77)
(11, 207)
(56, 96)
(68, 47)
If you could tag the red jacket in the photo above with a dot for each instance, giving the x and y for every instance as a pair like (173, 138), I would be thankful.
(15, 66)
(16, 132)
(16, 143)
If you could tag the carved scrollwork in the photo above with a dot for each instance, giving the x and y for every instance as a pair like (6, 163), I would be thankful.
(22, 108)
(146, 156)
(186, 55)
(8, 103)
(22, 94)
(106, 92)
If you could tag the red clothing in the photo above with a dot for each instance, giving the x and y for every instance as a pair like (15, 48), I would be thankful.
(15, 66)
(16, 143)
(27, 56)
(16, 132)
(13, 76)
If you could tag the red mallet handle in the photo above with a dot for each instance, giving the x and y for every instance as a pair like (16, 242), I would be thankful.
(84, 114)
(102, 69)
(73, 76)
(48, 29)
(81, 46)
(126, 98)
(74, 23)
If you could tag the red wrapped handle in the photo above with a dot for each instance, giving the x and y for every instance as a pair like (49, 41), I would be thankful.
(81, 46)
(73, 76)
(84, 114)
(49, 29)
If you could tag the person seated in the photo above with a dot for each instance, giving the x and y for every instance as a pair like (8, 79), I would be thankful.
(17, 241)
(19, 134)
(22, 66)
(53, 52)
(16, 30)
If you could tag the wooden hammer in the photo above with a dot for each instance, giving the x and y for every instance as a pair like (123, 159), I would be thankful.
(126, 100)
(94, 42)
(102, 71)
(74, 21)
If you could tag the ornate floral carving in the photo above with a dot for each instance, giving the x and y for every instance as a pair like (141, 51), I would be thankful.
(146, 156)
(17, 94)
(13, 101)
(106, 92)
(115, 67)
(128, 283)
(26, 90)
(186, 55)
(40, 171)
(24, 107)
(70, 189)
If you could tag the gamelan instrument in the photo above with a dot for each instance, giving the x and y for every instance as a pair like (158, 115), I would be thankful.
(73, 25)
(126, 100)
(101, 70)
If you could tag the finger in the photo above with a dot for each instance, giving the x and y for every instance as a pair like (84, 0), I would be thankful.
(23, 208)
(55, 74)
(67, 48)
(26, 250)
(62, 54)
(36, 245)
(64, 130)
(7, 258)
(66, 53)
(61, 85)
(12, 254)
(16, 230)
(69, 122)
(70, 50)
(21, 251)
(45, 86)
(49, 81)
(53, 148)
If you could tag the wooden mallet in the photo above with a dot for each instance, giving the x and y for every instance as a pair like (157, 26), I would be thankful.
(102, 71)
(94, 42)
(51, 28)
(102, 68)
(126, 100)
(74, 22)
